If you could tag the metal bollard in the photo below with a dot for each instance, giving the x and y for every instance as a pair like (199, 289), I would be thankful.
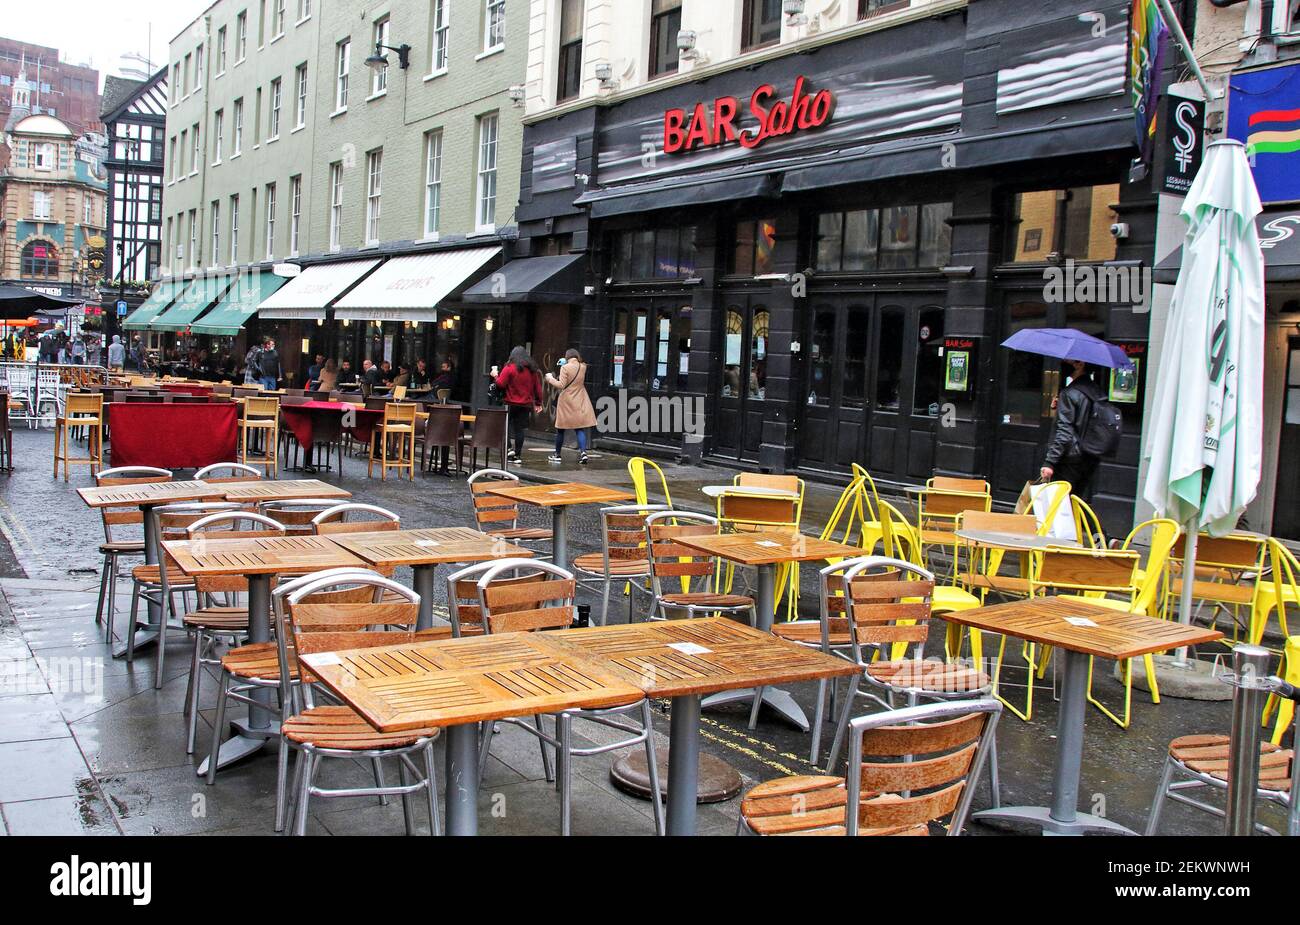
(1250, 677)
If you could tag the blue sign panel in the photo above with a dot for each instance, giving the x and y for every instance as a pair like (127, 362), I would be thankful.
(1264, 114)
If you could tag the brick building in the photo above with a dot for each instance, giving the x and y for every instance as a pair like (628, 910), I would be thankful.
(69, 92)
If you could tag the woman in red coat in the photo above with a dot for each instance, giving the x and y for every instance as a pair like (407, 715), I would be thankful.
(521, 389)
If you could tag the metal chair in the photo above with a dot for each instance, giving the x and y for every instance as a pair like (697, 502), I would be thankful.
(234, 472)
(336, 519)
(638, 469)
(115, 546)
(669, 559)
(622, 555)
(498, 516)
(907, 769)
(548, 604)
(306, 625)
(296, 516)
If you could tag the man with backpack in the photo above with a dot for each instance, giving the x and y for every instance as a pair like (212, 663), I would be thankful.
(268, 362)
(1088, 427)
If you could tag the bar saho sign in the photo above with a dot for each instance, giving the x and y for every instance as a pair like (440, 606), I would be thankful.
(716, 124)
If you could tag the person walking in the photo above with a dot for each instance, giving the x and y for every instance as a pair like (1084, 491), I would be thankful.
(268, 365)
(116, 353)
(521, 388)
(573, 410)
(1066, 460)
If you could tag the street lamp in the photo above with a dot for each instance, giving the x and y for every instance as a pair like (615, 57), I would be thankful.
(378, 61)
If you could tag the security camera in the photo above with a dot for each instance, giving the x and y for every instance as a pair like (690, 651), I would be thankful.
(1119, 231)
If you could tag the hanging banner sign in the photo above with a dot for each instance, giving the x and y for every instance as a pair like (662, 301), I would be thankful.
(712, 125)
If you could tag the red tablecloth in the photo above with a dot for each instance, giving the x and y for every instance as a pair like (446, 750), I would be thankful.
(172, 436)
(300, 419)
(187, 389)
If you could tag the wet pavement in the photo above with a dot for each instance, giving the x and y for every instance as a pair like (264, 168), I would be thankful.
(87, 745)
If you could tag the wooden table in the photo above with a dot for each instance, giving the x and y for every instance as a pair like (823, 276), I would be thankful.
(559, 498)
(284, 490)
(765, 550)
(424, 551)
(257, 559)
(458, 683)
(147, 496)
(1079, 630)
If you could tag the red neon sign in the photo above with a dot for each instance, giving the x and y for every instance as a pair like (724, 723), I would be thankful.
(708, 126)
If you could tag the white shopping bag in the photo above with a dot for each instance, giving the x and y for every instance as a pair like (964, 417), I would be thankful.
(1062, 527)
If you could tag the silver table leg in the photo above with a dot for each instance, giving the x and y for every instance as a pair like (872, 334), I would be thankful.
(560, 536)
(773, 697)
(462, 779)
(422, 584)
(683, 764)
(250, 736)
(147, 635)
(1064, 818)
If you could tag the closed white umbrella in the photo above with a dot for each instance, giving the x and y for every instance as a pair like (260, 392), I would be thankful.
(1207, 422)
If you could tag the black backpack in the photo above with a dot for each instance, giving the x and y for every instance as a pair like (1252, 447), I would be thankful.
(1104, 427)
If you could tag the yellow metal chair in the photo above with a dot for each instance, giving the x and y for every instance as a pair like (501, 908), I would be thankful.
(1059, 569)
(983, 565)
(1228, 570)
(396, 432)
(938, 509)
(870, 508)
(261, 419)
(1060, 491)
(1285, 709)
(82, 409)
(1268, 593)
(1087, 526)
(636, 468)
(754, 510)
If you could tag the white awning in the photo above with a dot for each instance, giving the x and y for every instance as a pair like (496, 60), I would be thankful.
(307, 295)
(410, 288)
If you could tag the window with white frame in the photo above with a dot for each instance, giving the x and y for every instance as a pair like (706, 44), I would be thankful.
(439, 34)
(432, 181)
(196, 148)
(198, 67)
(87, 210)
(488, 130)
(295, 213)
(270, 220)
(273, 126)
(336, 205)
(221, 52)
(277, 20)
(218, 128)
(194, 238)
(42, 205)
(494, 24)
(379, 77)
(215, 209)
(241, 36)
(300, 107)
(304, 9)
(175, 86)
(185, 146)
(342, 62)
(237, 128)
(374, 182)
(234, 231)
(186, 79)
(171, 156)
(45, 156)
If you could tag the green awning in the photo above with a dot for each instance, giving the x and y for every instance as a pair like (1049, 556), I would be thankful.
(238, 304)
(162, 296)
(201, 293)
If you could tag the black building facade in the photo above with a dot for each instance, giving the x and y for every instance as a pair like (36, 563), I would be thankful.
(828, 247)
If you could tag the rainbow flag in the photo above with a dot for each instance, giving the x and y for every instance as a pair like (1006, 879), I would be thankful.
(1273, 131)
(1148, 36)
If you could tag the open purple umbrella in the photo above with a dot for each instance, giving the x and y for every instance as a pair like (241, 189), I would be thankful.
(1068, 344)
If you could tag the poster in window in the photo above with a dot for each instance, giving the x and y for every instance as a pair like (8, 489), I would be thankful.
(1124, 384)
(733, 350)
(956, 374)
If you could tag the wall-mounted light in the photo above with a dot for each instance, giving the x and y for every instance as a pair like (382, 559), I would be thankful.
(306, 345)
(604, 72)
(378, 61)
(516, 95)
(793, 10)
(346, 322)
(488, 323)
(320, 322)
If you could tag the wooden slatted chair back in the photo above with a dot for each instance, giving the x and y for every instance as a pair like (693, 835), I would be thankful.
(624, 533)
(399, 414)
(227, 526)
(1061, 569)
(997, 522)
(1234, 552)
(527, 606)
(670, 559)
(334, 521)
(948, 483)
(889, 602)
(84, 404)
(125, 515)
(333, 625)
(261, 408)
(493, 512)
(463, 602)
(739, 512)
(939, 507)
(916, 774)
(296, 516)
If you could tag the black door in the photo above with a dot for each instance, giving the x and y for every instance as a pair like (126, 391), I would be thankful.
(835, 399)
(652, 348)
(742, 388)
(1286, 503)
(1029, 385)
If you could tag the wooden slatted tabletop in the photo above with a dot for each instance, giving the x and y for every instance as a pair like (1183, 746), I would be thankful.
(1106, 633)
(428, 547)
(454, 681)
(768, 547)
(561, 495)
(285, 490)
(467, 681)
(151, 493)
(260, 555)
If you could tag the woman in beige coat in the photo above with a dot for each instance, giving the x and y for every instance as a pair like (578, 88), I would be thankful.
(573, 410)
